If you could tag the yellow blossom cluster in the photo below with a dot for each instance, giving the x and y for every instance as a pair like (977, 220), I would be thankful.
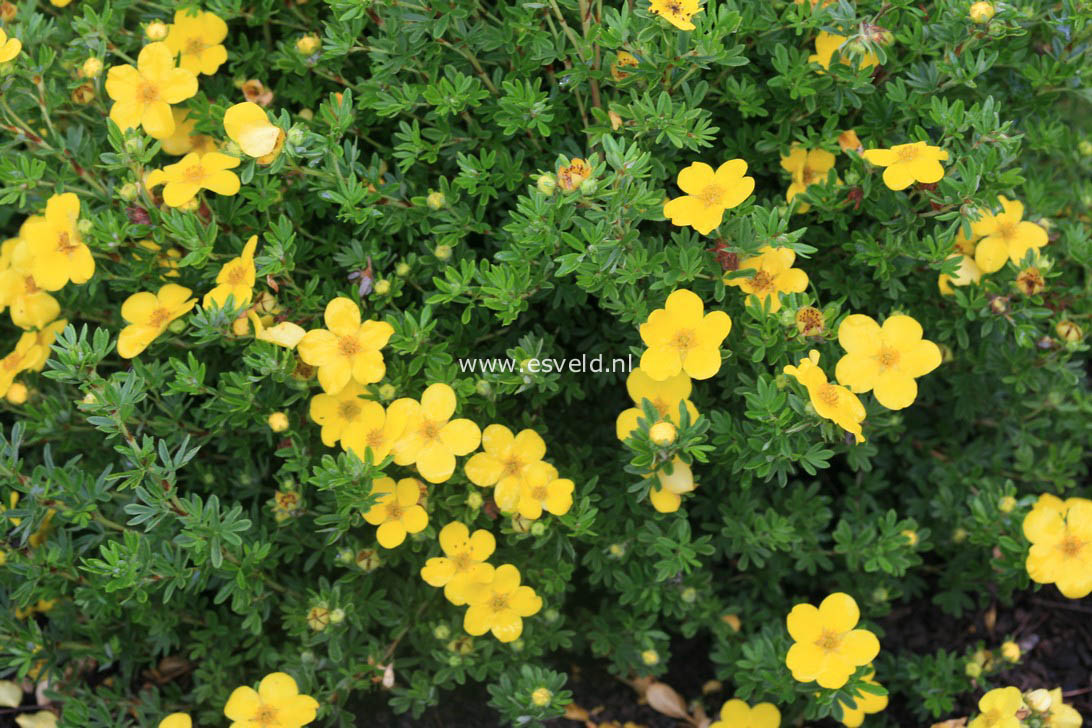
(496, 601)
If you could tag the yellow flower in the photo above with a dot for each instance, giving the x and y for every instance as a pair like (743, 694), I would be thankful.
(665, 396)
(31, 307)
(825, 45)
(773, 276)
(397, 511)
(541, 490)
(709, 194)
(176, 720)
(1060, 533)
(198, 37)
(235, 279)
(9, 47)
(541, 696)
(337, 414)
(826, 646)
(1005, 236)
(572, 175)
(681, 337)
(45, 337)
(807, 168)
(58, 254)
(967, 273)
(908, 163)
(193, 173)
(676, 12)
(504, 462)
(998, 709)
(183, 140)
(885, 361)
(276, 703)
(248, 126)
(378, 430)
(1060, 714)
(463, 562)
(866, 703)
(143, 95)
(830, 401)
(26, 352)
(498, 606)
(346, 349)
(737, 714)
(432, 439)
(149, 315)
(286, 333)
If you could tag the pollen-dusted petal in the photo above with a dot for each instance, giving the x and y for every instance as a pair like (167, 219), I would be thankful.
(390, 534)
(899, 176)
(507, 626)
(506, 494)
(435, 463)
(528, 507)
(497, 439)
(880, 157)
(438, 402)
(860, 334)
(703, 362)
(693, 179)
(242, 704)
(804, 623)
(895, 390)
(661, 362)
(461, 436)
(477, 619)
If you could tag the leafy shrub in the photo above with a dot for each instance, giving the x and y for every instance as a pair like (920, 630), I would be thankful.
(480, 181)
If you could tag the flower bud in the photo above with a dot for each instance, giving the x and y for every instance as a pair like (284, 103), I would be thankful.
(8, 11)
(483, 388)
(436, 201)
(1030, 281)
(441, 631)
(318, 617)
(474, 501)
(810, 321)
(518, 645)
(650, 657)
(1085, 148)
(240, 326)
(1038, 700)
(959, 535)
(732, 621)
(345, 556)
(981, 12)
(538, 528)
(278, 421)
(617, 550)
(337, 616)
(546, 183)
(382, 287)
(1007, 504)
(402, 269)
(1069, 331)
(1010, 651)
(156, 30)
(17, 393)
(177, 326)
(589, 186)
(368, 560)
(551, 615)
(541, 697)
(91, 68)
(442, 252)
(128, 192)
(689, 595)
(308, 44)
(972, 669)
(306, 114)
(911, 536)
(662, 433)
(521, 524)
(387, 392)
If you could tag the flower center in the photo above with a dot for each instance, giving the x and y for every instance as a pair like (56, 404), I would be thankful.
(1070, 546)
(394, 511)
(807, 175)
(288, 501)
(195, 45)
(539, 493)
(1006, 229)
(11, 361)
(348, 345)
(684, 340)
(265, 715)
(711, 195)
(375, 439)
(828, 395)
(147, 92)
(236, 275)
(908, 153)
(430, 430)
(193, 174)
(348, 410)
(160, 317)
(888, 357)
(661, 406)
(65, 244)
(829, 641)
(762, 282)
(992, 716)
(462, 561)
(512, 466)
(30, 285)
(499, 602)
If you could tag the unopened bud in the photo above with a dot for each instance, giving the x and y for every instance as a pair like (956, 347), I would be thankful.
(662, 433)
(156, 30)
(981, 12)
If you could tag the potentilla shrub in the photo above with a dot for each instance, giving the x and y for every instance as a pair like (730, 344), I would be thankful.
(356, 351)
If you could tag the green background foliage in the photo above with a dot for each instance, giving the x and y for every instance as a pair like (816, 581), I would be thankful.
(162, 470)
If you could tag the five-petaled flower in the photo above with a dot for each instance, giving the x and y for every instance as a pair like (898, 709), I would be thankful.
(807, 168)
(505, 460)
(709, 194)
(499, 605)
(463, 562)
(397, 512)
(998, 709)
(887, 360)
(377, 430)
(831, 401)
(908, 163)
(30, 306)
(541, 489)
(735, 713)
(1005, 236)
(1060, 533)
(195, 172)
(432, 439)
(235, 279)
(827, 648)
(276, 703)
(665, 396)
(143, 95)
(198, 37)
(149, 315)
(56, 248)
(347, 348)
(773, 275)
(247, 124)
(676, 12)
(339, 414)
(681, 337)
